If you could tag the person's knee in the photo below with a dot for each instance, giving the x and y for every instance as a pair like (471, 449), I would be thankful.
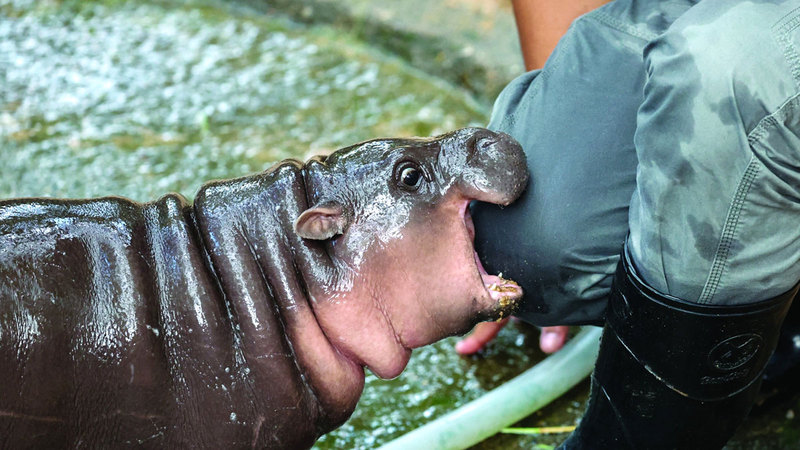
(525, 241)
(573, 287)
(572, 267)
(562, 260)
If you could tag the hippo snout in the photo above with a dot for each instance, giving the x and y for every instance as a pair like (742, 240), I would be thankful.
(497, 147)
(484, 141)
(494, 169)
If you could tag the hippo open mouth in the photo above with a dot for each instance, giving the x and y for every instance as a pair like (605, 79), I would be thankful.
(505, 293)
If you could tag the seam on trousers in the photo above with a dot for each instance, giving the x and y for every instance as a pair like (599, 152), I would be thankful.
(788, 109)
(729, 232)
(616, 24)
(781, 31)
(761, 130)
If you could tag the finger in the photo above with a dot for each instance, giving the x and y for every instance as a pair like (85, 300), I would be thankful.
(553, 338)
(479, 337)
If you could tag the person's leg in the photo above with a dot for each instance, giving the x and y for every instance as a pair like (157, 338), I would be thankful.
(713, 255)
(673, 374)
(714, 218)
(575, 120)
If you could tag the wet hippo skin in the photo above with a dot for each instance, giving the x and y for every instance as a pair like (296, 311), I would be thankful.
(246, 319)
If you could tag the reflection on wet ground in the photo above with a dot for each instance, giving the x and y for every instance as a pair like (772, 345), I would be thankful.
(139, 98)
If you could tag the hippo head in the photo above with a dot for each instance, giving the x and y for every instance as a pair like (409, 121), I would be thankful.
(393, 216)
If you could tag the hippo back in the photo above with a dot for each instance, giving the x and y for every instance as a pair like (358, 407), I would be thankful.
(115, 325)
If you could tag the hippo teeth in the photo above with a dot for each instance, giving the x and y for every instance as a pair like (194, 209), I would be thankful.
(497, 286)
(505, 292)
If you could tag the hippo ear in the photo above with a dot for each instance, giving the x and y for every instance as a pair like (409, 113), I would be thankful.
(320, 222)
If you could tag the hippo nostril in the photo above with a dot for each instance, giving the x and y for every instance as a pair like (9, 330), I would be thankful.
(484, 143)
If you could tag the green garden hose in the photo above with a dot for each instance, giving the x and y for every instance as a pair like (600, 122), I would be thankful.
(507, 404)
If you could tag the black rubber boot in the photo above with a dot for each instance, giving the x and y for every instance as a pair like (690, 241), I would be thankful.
(782, 375)
(673, 374)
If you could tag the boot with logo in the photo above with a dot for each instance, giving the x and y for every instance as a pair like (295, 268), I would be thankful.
(672, 374)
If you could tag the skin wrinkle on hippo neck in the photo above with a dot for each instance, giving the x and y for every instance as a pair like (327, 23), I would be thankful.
(278, 254)
(336, 282)
(308, 188)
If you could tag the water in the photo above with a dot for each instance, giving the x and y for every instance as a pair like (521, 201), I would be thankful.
(142, 98)
(139, 98)
(436, 382)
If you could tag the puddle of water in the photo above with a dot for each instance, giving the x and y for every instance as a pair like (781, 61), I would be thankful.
(438, 381)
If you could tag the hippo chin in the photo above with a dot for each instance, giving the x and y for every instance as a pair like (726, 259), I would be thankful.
(246, 319)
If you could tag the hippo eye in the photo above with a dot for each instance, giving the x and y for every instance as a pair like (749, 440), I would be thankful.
(408, 175)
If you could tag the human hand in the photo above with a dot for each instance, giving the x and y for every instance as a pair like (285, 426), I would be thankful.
(550, 341)
(481, 335)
